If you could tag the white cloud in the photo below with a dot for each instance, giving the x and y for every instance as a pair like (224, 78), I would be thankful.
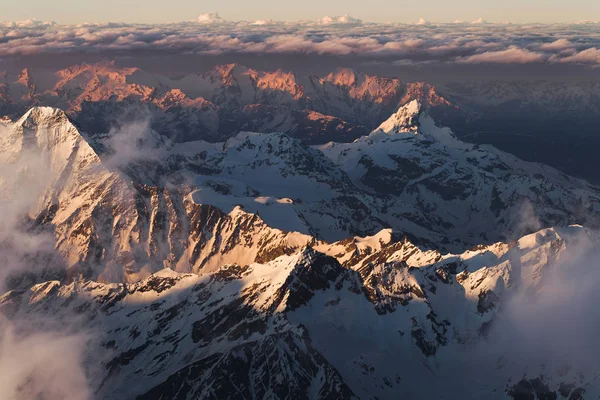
(48, 364)
(29, 23)
(38, 359)
(559, 44)
(588, 56)
(587, 22)
(512, 55)
(210, 18)
(339, 20)
(261, 22)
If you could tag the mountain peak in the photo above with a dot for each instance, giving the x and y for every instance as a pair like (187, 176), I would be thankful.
(343, 77)
(24, 77)
(41, 115)
(49, 130)
(405, 120)
(412, 118)
(228, 69)
(105, 67)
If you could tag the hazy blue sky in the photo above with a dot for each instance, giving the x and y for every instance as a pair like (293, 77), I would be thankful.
(75, 11)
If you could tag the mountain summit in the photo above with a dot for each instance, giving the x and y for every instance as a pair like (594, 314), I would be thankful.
(405, 120)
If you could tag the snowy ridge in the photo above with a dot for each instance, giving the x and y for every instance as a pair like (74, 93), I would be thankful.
(405, 120)
(260, 267)
(119, 213)
(259, 324)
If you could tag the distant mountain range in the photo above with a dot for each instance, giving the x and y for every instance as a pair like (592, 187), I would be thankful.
(538, 121)
(219, 103)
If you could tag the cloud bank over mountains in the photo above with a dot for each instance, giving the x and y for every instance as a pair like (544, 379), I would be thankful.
(474, 42)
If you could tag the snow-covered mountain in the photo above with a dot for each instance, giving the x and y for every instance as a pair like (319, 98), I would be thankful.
(381, 324)
(262, 267)
(122, 206)
(551, 122)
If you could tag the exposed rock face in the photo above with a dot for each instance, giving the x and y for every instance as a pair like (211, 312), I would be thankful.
(304, 326)
(219, 103)
(261, 267)
(534, 120)
(122, 208)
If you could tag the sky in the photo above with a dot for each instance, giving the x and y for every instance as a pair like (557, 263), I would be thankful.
(154, 11)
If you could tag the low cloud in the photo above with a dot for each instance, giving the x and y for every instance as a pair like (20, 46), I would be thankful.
(133, 141)
(559, 44)
(261, 22)
(556, 321)
(512, 55)
(587, 56)
(40, 358)
(210, 34)
(29, 23)
(41, 364)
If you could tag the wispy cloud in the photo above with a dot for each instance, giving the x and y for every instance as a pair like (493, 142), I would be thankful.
(40, 358)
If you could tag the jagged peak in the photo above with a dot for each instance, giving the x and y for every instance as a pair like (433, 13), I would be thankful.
(535, 239)
(413, 119)
(405, 120)
(167, 273)
(277, 78)
(42, 115)
(226, 70)
(24, 77)
(50, 129)
(104, 67)
(342, 76)
(311, 271)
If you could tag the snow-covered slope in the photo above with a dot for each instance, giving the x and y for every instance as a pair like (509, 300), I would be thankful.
(405, 120)
(305, 326)
(122, 206)
(261, 267)
(432, 181)
(106, 225)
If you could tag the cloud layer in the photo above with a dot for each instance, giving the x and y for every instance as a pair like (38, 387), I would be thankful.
(422, 42)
